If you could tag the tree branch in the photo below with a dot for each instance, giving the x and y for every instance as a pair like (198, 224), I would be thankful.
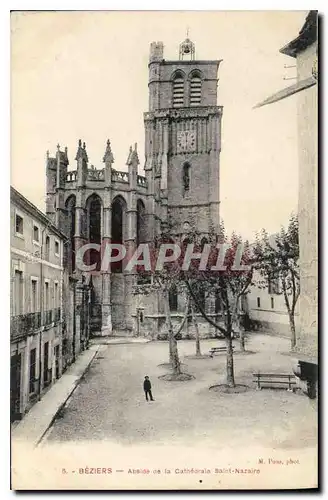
(183, 320)
(203, 313)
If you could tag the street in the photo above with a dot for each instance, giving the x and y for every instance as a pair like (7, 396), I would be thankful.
(109, 403)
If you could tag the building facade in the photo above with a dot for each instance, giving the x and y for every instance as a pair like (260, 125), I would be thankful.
(49, 308)
(37, 342)
(181, 183)
(266, 308)
(304, 49)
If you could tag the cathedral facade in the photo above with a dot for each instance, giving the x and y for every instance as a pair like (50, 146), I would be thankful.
(180, 181)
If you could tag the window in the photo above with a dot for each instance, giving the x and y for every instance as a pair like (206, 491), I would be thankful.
(118, 218)
(56, 247)
(46, 296)
(217, 303)
(70, 206)
(47, 248)
(195, 90)
(258, 302)
(203, 243)
(34, 297)
(19, 224)
(272, 303)
(32, 371)
(36, 233)
(173, 298)
(186, 177)
(46, 374)
(18, 293)
(178, 90)
(56, 298)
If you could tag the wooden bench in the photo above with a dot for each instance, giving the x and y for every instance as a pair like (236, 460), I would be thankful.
(274, 379)
(222, 348)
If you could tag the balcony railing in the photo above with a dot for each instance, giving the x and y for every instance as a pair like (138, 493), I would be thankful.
(51, 316)
(56, 314)
(47, 317)
(25, 324)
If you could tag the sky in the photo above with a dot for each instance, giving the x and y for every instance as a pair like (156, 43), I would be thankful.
(83, 75)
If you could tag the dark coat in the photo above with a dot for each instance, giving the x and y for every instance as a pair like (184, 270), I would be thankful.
(147, 385)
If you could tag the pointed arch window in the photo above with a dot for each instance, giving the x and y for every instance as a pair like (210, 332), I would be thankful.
(203, 243)
(94, 210)
(70, 249)
(118, 223)
(178, 90)
(186, 176)
(195, 89)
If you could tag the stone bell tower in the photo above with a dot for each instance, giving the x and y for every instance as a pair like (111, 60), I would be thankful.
(183, 138)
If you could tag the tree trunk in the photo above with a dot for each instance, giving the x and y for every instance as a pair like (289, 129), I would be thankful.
(239, 328)
(290, 310)
(176, 366)
(242, 340)
(228, 324)
(173, 345)
(195, 322)
(292, 330)
(230, 370)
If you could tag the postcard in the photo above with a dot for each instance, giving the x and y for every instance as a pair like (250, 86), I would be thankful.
(164, 250)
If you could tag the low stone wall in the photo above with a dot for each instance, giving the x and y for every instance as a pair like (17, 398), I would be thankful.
(155, 327)
(278, 329)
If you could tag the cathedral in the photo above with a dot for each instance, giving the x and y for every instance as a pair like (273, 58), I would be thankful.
(180, 181)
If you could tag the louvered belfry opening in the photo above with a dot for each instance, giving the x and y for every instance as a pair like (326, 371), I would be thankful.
(195, 90)
(178, 91)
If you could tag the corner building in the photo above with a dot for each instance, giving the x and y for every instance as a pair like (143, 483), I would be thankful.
(182, 153)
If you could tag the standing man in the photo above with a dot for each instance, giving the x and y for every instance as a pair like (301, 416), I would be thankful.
(147, 388)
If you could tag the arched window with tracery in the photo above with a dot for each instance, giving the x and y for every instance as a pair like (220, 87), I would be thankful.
(178, 90)
(118, 214)
(94, 216)
(195, 89)
(70, 247)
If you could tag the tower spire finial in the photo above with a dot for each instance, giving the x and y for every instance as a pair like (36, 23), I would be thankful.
(81, 152)
(108, 156)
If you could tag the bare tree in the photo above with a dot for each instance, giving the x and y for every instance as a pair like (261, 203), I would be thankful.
(229, 283)
(277, 260)
(162, 279)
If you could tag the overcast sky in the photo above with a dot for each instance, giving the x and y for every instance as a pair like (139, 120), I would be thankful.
(84, 75)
